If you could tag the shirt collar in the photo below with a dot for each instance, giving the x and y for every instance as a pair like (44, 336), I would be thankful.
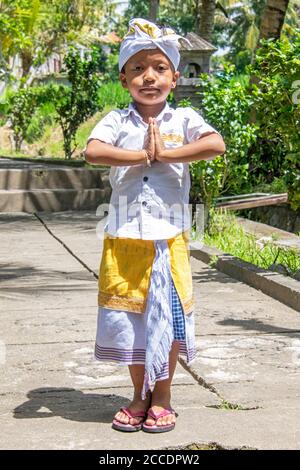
(132, 109)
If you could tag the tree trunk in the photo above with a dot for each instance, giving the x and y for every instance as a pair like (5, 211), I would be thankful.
(207, 18)
(197, 16)
(273, 19)
(26, 59)
(153, 10)
(270, 27)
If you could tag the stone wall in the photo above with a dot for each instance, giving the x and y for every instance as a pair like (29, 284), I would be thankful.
(280, 216)
(187, 88)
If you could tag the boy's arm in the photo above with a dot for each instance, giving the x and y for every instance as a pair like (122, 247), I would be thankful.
(100, 153)
(205, 148)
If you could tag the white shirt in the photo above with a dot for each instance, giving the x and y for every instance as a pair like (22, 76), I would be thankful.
(149, 203)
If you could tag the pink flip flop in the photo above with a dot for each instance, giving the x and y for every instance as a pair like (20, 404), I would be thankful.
(129, 427)
(158, 428)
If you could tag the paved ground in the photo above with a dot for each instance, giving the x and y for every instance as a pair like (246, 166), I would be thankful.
(55, 396)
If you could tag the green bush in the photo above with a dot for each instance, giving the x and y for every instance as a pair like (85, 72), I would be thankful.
(226, 106)
(75, 103)
(26, 111)
(113, 94)
(277, 111)
(44, 115)
(111, 64)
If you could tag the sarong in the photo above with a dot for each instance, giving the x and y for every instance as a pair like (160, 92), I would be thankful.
(131, 338)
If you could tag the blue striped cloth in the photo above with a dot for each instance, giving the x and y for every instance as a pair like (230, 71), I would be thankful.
(165, 318)
(178, 316)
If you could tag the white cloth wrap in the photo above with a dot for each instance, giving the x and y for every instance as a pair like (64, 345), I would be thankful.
(143, 34)
(159, 330)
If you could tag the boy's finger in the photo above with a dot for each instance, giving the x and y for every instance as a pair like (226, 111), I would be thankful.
(152, 129)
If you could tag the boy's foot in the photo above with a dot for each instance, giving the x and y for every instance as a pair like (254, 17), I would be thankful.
(159, 417)
(158, 406)
(137, 405)
(168, 418)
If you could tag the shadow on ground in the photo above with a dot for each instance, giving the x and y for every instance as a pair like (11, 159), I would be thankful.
(258, 325)
(211, 274)
(71, 404)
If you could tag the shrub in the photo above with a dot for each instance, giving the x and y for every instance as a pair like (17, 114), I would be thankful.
(79, 101)
(113, 94)
(23, 110)
(226, 106)
(276, 103)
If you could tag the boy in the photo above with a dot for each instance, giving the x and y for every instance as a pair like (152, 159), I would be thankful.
(145, 284)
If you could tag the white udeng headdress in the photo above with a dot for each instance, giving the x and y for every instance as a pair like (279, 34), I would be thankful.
(143, 34)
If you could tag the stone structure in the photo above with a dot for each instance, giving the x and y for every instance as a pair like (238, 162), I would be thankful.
(195, 59)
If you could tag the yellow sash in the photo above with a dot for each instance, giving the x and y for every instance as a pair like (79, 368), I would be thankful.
(125, 271)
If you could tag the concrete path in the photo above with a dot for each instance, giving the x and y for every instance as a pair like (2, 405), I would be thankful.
(242, 390)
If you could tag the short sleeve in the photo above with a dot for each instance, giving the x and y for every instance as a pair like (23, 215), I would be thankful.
(195, 126)
(107, 129)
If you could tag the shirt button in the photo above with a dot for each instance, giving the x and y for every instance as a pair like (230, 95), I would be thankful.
(145, 178)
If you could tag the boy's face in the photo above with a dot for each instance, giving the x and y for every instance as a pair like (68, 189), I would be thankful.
(149, 76)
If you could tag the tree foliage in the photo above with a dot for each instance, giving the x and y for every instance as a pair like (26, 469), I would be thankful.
(277, 104)
(225, 105)
(79, 101)
(19, 109)
(34, 29)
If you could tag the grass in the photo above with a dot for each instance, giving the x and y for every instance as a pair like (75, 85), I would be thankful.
(114, 95)
(228, 236)
(226, 405)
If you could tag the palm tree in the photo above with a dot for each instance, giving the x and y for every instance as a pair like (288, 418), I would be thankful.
(238, 23)
(40, 28)
(273, 19)
(271, 25)
(207, 10)
(15, 37)
(153, 10)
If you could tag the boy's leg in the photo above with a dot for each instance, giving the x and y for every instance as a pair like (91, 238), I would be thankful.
(137, 373)
(161, 395)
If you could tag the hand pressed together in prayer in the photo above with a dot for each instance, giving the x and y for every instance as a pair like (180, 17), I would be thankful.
(154, 145)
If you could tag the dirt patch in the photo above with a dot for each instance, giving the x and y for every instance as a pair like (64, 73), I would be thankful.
(208, 446)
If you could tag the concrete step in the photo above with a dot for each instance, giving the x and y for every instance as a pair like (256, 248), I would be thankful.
(52, 200)
(44, 177)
